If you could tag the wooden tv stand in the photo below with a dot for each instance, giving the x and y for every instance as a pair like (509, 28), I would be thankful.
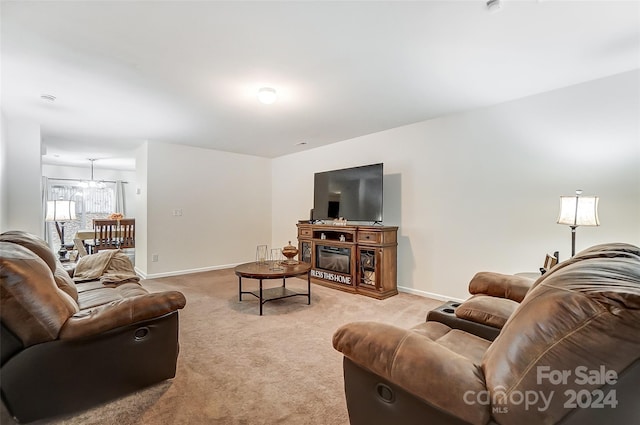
(352, 258)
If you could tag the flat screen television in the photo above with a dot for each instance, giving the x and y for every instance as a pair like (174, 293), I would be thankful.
(352, 193)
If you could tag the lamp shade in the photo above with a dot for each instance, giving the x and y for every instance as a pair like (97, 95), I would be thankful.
(61, 211)
(579, 211)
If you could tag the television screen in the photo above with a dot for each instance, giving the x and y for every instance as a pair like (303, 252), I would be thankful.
(353, 193)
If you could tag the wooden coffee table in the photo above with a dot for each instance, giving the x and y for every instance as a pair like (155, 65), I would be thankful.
(262, 271)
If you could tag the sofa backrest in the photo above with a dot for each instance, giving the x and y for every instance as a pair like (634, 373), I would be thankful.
(42, 250)
(577, 329)
(607, 250)
(32, 243)
(33, 307)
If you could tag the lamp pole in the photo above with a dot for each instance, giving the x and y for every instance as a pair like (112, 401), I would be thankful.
(573, 240)
(575, 224)
(63, 250)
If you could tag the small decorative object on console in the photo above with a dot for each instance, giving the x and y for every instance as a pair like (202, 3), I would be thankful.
(116, 216)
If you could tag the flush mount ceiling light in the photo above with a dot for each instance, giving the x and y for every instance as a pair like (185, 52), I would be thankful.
(267, 95)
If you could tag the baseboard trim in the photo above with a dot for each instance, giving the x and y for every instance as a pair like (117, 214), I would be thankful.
(413, 291)
(427, 294)
(182, 272)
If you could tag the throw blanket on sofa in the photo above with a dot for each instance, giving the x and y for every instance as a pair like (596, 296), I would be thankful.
(108, 266)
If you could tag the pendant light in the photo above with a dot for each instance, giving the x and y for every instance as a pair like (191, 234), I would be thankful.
(92, 182)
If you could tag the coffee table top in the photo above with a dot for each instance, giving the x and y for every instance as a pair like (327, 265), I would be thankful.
(263, 271)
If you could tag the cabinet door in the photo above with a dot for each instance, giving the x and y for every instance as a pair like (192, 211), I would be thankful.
(369, 268)
(305, 251)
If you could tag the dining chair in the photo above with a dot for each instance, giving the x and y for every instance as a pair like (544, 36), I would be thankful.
(105, 235)
(127, 233)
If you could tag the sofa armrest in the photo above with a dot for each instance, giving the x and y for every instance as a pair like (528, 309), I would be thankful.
(417, 364)
(500, 285)
(121, 313)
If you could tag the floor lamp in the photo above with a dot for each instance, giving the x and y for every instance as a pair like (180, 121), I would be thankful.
(60, 212)
(578, 211)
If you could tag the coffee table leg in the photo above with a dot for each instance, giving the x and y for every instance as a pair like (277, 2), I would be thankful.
(260, 297)
(239, 288)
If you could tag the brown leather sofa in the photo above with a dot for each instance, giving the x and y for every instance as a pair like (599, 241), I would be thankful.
(66, 346)
(569, 354)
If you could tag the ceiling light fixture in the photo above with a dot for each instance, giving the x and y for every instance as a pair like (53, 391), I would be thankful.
(267, 95)
(92, 182)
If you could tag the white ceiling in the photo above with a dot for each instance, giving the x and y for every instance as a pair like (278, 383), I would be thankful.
(187, 72)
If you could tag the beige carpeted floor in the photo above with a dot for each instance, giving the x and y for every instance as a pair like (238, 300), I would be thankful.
(236, 367)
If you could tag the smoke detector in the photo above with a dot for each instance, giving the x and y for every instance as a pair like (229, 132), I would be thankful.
(48, 97)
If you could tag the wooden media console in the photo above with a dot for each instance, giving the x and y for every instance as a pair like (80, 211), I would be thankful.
(352, 258)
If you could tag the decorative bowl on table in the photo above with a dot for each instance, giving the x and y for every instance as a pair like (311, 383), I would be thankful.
(290, 251)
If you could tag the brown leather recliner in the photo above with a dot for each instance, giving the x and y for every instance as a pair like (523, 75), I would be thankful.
(494, 298)
(67, 347)
(569, 354)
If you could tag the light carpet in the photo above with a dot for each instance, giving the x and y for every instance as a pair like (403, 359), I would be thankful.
(236, 367)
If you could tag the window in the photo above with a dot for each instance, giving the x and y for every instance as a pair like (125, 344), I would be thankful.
(91, 202)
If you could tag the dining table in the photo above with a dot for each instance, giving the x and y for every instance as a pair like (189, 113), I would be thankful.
(85, 235)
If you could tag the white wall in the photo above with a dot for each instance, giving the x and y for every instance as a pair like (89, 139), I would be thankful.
(23, 173)
(225, 201)
(480, 190)
(141, 208)
(473, 191)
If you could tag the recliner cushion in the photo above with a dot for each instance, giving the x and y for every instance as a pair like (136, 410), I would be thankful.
(488, 310)
(33, 307)
(106, 295)
(432, 330)
(460, 342)
(32, 243)
(64, 282)
(500, 285)
(465, 344)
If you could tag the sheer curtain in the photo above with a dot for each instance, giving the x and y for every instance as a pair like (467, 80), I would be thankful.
(120, 206)
(46, 229)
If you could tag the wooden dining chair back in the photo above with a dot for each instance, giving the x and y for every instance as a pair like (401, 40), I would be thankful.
(128, 233)
(105, 235)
